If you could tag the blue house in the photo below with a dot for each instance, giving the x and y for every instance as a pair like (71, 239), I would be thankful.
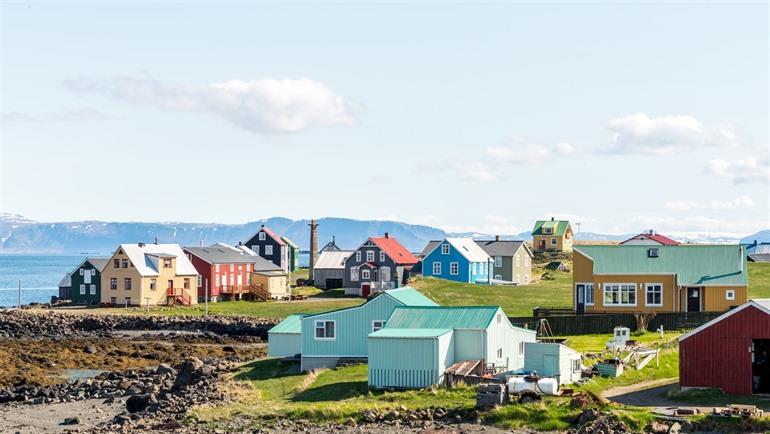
(458, 259)
(328, 337)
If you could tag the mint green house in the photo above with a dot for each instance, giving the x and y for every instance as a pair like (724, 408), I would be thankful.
(284, 338)
(418, 343)
(329, 337)
(553, 360)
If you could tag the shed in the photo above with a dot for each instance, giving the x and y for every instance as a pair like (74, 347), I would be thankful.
(284, 338)
(553, 360)
(329, 269)
(429, 355)
(272, 282)
(65, 287)
(342, 334)
(730, 352)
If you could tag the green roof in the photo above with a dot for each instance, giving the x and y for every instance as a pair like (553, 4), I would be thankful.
(409, 296)
(441, 317)
(409, 333)
(559, 227)
(290, 324)
(695, 264)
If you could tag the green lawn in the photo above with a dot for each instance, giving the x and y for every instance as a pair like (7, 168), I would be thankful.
(759, 280)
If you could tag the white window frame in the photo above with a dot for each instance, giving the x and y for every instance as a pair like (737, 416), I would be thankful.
(500, 353)
(521, 348)
(262, 236)
(323, 323)
(268, 249)
(92, 289)
(647, 287)
(454, 268)
(553, 241)
(377, 324)
(730, 294)
(370, 256)
(255, 248)
(526, 261)
(366, 274)
(498, 261)
(382, 256)
(436, 268)
(586, 287)
(620, 294)
(499, 318)
(358, 256)
(81, 271)
(498, 277)
(445, 249)
(82, 289)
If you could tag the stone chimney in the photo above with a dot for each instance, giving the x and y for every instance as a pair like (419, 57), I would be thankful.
(141, 244)
(387, 235)
(497, 237)
(313, 247)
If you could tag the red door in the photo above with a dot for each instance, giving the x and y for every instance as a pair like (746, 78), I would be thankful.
(542, 245)
(366, 289)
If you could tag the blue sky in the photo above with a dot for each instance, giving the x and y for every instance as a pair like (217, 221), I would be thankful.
(475, 117)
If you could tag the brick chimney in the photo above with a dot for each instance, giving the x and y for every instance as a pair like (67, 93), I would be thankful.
(387, 235)
(313, 247)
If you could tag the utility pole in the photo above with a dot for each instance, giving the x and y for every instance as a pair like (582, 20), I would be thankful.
(206, 297)
(19, 294)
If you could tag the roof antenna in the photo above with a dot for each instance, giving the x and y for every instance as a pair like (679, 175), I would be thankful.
(156, 240)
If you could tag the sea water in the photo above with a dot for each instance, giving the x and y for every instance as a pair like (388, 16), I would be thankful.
(39, 276)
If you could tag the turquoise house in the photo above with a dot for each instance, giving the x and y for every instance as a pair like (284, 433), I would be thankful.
(553, 360)
(342, 334)
(283, 340)
(458, 259)
(418, 343)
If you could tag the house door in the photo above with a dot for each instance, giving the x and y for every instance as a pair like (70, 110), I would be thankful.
(550, 365)
(542, 244)
(693, 299)
(760, 366)
(580, 298)
(170, 284)
(366, 289)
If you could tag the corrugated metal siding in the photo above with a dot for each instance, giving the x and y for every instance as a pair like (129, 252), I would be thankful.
(719, 356)
(283, 344)
(352, 327)
(535, 354)
(405, 363)
(469, 345)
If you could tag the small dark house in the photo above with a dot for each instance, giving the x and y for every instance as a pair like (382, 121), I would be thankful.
(379, 263)
(268, 245)
(87, 281)
(731, 352)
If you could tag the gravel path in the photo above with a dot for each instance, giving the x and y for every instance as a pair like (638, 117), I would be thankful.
(650, 394)
(48, 418)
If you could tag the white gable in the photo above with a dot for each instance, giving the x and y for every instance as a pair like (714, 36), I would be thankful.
(469, 249)
(142, 257)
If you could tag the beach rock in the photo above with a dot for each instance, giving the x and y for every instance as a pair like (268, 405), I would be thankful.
(71, 421)
(90, 349)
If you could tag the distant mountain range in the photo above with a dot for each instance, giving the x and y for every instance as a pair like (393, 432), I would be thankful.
(21, 235)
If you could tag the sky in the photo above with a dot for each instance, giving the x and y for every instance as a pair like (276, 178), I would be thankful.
(465, 116)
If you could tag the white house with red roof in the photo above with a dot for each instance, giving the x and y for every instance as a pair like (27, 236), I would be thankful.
(379, 263)
(651, 238)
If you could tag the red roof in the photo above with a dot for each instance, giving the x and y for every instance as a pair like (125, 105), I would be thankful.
(661, 239)
(273, 235)
(395, 250)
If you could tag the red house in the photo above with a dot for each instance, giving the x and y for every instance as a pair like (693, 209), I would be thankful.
(225, 270)
(731, 352)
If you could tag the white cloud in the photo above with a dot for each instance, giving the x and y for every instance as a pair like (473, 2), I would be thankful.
(477, 171)
(85, 114)
(262, 106)
(519, 154)
(639, 133)
(694, 227)
(17, 117)
(565, 148)
(492, 225)
(739, 203)
(681, 205)
(741, 171)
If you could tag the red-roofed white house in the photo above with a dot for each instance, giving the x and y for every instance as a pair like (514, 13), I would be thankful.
(379, 263)
(651, 239)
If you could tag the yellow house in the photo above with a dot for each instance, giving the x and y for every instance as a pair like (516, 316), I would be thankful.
(271, 283)
(552, 236)
(649, 278)
(154, 274)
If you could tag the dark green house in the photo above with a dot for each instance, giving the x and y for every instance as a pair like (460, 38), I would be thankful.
(86, 281)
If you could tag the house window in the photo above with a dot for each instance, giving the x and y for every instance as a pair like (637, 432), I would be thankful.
(589, 291)
(358, 256)
(127, 283)
(198, 282)
(113, 300)
(498, 261)
(377, 325)
(498, 277)
(128, 301)
(125, 263)
(167, 263)
(620, 294)
(216, 268)
(268, 250)
(499, 353)
(366, 274)
(261, 236)
(153, 284)
(186, 283)
(113, 283)
(436, 268)
(255, 248)
(382, 256)
(652, 253)
(475, 269)
(93, 272)
(445, 249)
(553, 241)
(548, 231)
(82, 289)
(526, 261)
(499, 318)
(324, 330)
(232, 281)
(526, 278)
(81, 271)
(521, 348)
(653, 294)
(92, 289)
(354, 274)
(370, 256)
(116, 263)
(730, 294)
(576, 365)
(454, 268)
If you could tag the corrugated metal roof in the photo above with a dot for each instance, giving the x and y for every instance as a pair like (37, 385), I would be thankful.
(332, 259)
(658, 238)
(224, 254)
(560, 227)
(469, 249)
(697, 264)
(66, 281)
(292, 324)
(99, 263)
(409, 333)
(760, 257)
(428, 248)
(501, 247)
(410, 297)
(454, 317)
(141, 258)
(395, 250)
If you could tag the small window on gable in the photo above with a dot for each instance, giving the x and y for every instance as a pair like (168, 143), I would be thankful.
(445, 249)
(730, 294)
(499, 318)
(382, 256)
(377, 325)
(358, 256)
(652, 252)
(81, 271)
(261, 236)
(499, 353)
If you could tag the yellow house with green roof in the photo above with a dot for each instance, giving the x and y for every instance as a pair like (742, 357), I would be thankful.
(552, 236)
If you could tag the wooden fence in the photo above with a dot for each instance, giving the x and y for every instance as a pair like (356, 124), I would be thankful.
(566, 325)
